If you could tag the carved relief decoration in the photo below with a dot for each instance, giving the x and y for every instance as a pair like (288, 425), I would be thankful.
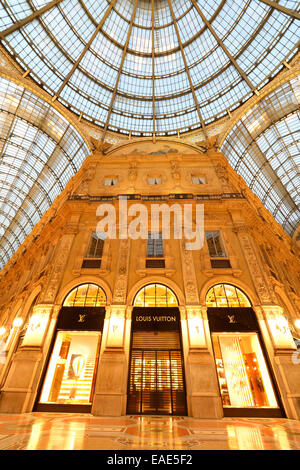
(120, 289)
(189, 276)
(55, 275)
(264, 294)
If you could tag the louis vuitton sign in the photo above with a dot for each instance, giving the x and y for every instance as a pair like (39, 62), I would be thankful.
(153, 318)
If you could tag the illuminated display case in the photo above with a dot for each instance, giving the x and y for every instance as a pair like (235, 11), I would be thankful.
(70, 375)
(244, 374)
(71, 372)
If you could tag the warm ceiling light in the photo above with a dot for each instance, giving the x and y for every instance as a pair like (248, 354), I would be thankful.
(2, 331)
(17, 322)
(297, 323)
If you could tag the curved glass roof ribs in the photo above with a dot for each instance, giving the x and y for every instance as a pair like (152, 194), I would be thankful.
(264, 148)
(150, 66)
(39, 152)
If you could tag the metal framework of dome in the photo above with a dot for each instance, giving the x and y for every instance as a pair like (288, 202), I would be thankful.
(264, 148)
(150, 67)
(40, 152)
(145, 68)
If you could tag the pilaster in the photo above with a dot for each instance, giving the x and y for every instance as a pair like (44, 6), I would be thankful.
(18, 392)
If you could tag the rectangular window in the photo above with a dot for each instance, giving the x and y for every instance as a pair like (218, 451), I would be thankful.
(154, 180)
(242, 371)
(94, 252)
(111, 181)
(95, 249)
(198, 180)
(155, 246)
(155, 251)
(215, 245)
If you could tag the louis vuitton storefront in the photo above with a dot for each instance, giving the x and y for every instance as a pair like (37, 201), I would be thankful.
(246, 384)
(156, 377)
(156, 383)
(69, 379)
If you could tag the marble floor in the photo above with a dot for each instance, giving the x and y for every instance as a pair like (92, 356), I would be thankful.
(59, 431)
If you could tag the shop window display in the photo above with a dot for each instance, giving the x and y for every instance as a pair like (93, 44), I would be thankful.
(71, 373)
(242, 372)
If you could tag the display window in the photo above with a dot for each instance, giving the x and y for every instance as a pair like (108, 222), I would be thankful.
(71, 372)
(69, 376)
(247, 386)
(242, 372)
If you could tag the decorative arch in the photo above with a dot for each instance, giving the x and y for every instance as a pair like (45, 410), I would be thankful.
(249, 292)
(31, 298)
(84, 280)
(156, 280)
(85, 295)
(155, 295)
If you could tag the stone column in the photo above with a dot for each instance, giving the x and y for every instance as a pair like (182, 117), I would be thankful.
(111, 385)
(203, 395)
(285, 357)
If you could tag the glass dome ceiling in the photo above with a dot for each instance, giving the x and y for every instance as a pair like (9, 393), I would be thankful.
(264, 148)
(40, 151)
(150, 66)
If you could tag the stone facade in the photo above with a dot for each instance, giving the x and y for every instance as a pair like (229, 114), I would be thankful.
(264, 263)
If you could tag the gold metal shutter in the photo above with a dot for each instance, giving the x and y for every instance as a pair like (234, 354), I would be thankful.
(156, 380)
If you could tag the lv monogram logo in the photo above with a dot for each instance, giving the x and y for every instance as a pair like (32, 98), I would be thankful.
(231, 318)
(82, 318)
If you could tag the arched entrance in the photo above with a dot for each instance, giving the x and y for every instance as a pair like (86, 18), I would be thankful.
(246, 385)
(156, 382)
(68, 383)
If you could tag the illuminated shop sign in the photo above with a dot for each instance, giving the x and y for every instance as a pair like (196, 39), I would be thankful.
(232, 319)
(81, 318)
(156, 318)
(153, 319)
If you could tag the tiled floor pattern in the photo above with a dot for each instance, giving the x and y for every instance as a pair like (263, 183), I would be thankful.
(57, 431)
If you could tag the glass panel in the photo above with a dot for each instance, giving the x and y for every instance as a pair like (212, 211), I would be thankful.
(161, 296)
(71, 372)
(210, 298)
(81, 295)
(69, 301)
(220, 295)
(215, 245)
(231, 295)
(243, 375)
(155, 295)
(92, 247)
(150, 300)
(244, 302)
(101, 298)
(140, 299)
(91, 296)
(171, 299)
(86, 295)
(226, 295)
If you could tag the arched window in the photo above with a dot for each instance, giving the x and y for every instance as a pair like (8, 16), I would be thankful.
(155, 295)
(226, 295)
(86, 295)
